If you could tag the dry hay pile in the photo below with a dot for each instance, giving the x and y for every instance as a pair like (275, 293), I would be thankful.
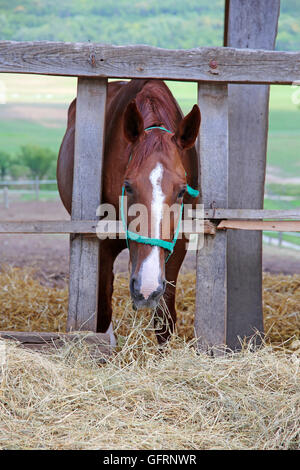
(27, 305)
(142, 399)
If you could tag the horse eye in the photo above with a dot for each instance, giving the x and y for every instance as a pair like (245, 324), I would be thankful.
(128, 187)
(181, 193)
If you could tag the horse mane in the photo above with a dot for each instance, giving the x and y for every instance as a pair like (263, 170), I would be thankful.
(158, 108)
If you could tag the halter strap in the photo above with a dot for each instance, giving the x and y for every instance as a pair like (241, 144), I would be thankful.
(158, 127)
(147, 240)
(155, 241)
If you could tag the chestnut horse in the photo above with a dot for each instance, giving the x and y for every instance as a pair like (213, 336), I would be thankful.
(155, 167)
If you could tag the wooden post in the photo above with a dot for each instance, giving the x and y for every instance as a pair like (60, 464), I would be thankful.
(84, 251)
(211, 291)
(250, 24)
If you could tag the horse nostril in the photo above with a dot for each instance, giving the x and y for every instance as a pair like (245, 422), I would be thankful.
(133, 284)
(134, 288)
(162, 287)
(159, 291)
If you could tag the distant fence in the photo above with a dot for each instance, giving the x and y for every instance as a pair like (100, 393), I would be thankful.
(279, 241)
(36, 183)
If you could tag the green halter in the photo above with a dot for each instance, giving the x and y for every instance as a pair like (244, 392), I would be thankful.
(155, 241)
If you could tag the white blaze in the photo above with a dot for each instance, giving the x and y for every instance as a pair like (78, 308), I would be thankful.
(150, 269)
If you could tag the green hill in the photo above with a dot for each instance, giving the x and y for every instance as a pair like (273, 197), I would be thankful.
(169, 24)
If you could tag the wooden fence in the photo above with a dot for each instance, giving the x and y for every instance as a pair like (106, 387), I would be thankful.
(205, 64)
(34, 183)
(228, 300)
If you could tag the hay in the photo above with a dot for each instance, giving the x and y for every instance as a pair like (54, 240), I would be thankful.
(177, 401)
(27, 305)
(281, 307)
(142, 399)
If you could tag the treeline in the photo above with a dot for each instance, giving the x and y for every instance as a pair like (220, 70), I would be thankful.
(169, 24)
(30, 162)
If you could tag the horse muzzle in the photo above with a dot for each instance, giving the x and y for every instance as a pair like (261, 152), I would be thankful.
(148, 299)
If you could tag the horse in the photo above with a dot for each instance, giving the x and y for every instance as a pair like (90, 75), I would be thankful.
(150, 156)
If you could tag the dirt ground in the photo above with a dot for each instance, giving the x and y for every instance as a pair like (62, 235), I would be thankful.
(49, 254)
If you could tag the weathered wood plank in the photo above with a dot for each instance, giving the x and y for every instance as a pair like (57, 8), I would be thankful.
(292, 214)
(88, 227)
(51, 226)
(211, 291)
(99, 343)
(115, 229)
(251, 24)
(84, 251)
(274, 226)
(200, 64)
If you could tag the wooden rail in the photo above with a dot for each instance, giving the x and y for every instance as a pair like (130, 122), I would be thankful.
(98, 343)
(49, 226)
(293, 214)
(26, 182)
(213, 64)
(111, 229)
(87, 227)
(271, 226)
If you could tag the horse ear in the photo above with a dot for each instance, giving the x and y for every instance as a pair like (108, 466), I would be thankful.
(188, 129)
(133, 123)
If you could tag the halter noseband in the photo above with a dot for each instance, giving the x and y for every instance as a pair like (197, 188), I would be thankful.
(155, 241)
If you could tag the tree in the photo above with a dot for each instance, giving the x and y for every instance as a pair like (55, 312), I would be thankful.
(37, 159)
(17, 171)
(5, 163)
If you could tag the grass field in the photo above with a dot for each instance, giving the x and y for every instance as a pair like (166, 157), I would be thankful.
(33, 109)
(284, 130)
(44, 195)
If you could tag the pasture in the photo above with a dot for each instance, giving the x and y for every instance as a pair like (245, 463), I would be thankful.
(35, 112)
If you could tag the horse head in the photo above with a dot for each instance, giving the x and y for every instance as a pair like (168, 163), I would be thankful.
(154, 184)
